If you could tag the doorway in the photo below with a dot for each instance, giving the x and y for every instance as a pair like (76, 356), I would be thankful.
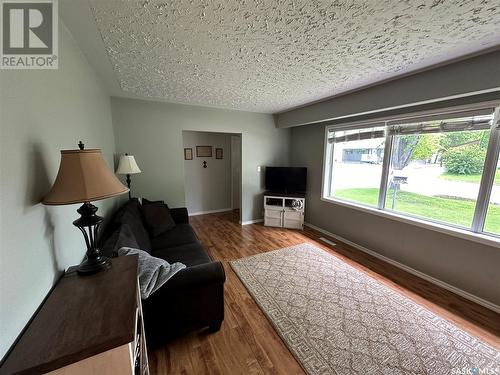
(236, 172)
(212, 172)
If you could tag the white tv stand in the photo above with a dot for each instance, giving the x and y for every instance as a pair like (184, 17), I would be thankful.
(284, 210)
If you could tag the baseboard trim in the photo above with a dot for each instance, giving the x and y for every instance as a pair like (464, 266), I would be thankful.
(326, 240)
(210, 212)
(451, 288)
(251, 221)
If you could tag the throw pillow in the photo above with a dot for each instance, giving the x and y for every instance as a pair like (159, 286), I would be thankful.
(145, 202)
(126, 238)
(130, 213)
(122, 237)
(108, 248)
(153, 272)
(157, 218)
(135, 222)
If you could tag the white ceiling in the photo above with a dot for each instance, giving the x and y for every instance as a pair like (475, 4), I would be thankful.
(270, 56)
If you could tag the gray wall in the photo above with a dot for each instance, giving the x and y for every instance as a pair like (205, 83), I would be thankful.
(41, 113)
(207, 189)
(467, 76)
(467, 265)
(152, 132)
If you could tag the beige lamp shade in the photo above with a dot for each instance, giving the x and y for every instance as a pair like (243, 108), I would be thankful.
(127, 165)
(83, 176)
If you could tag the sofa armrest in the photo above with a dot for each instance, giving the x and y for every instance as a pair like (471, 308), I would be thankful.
(197, 276)
(180, 215)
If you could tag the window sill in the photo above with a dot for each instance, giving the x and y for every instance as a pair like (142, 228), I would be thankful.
(484, 239)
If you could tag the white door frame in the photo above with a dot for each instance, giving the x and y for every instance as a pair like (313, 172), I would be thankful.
(237, 138)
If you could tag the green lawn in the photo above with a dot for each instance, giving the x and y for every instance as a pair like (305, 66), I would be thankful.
(458, 212)
(475, 178)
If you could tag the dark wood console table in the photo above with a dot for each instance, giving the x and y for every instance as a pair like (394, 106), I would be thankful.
(87, 325)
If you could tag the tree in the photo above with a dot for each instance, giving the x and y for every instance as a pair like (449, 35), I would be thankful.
(403, 149)
(428, 145)
(422, 146)
(456, 139)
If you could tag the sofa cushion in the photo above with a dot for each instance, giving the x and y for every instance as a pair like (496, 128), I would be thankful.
(131, 207)
(147, 201)
(131, 215)
(181, 234)
(180, 215)
(122, 237)
(189, 254)
(157, 218)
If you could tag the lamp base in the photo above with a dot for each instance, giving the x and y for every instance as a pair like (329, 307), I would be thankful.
(128, 184)
(93, 265)
(88, 223)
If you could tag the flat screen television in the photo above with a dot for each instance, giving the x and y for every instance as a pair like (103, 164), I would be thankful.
(286, 179)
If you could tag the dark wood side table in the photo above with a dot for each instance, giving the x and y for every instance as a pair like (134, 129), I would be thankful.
(87, 325)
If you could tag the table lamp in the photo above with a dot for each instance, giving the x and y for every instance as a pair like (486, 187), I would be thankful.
(128, 166)
(83, 177)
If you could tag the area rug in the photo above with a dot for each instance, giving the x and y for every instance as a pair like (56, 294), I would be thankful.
(336, 319)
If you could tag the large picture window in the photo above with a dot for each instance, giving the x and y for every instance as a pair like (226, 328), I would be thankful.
(430, 167)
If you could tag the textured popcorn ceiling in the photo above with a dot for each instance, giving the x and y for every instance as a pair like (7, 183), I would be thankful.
(269, 56)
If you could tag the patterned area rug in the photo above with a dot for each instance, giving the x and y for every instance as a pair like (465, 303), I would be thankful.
(338, 320)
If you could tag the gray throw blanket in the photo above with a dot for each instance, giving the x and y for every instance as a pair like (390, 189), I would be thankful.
(153, 272)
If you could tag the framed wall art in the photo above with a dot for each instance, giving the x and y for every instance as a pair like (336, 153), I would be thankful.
(203, 151)
(188, 154)
(219, 153)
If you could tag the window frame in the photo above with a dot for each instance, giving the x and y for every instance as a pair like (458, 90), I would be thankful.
(475, 232)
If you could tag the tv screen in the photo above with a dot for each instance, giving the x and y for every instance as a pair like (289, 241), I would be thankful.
(286, 179)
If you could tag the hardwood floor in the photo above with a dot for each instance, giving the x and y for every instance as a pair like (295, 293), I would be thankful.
(248, 344)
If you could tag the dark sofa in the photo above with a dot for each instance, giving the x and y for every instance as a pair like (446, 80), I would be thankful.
(194, 297)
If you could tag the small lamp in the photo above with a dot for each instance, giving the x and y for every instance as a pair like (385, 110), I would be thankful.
(83, 177)
(128, 166)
